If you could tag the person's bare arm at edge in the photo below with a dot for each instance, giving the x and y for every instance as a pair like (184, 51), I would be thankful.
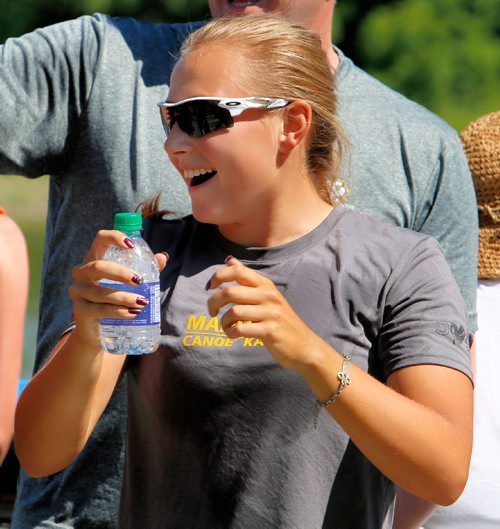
(412, 512)
(14, 280)
(60, 407)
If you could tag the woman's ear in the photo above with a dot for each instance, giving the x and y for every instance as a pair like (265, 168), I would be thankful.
(296, 124)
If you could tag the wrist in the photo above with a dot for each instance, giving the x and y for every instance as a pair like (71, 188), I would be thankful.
(344, 381)
(322, 370)
(86, 337)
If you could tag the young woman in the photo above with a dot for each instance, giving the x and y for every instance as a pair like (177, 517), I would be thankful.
(311, 357)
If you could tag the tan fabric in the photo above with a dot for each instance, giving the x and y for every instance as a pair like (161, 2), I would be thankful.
(481, 140)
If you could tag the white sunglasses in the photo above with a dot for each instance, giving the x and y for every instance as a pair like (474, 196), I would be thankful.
(198, 116)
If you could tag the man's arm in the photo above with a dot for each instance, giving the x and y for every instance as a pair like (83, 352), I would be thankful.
(45, 81)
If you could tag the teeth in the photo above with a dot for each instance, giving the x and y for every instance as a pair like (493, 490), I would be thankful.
(242, 3)
(191, 173)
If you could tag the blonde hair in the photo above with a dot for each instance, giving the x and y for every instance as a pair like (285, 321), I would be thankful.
(284, 61)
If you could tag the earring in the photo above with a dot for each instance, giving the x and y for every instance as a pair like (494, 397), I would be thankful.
(340, 191)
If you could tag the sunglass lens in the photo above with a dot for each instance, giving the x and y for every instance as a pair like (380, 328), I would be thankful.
(209, 117)
(197, 118)
(166, 119)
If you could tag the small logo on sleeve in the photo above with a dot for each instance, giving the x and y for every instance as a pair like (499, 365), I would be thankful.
(456, 332)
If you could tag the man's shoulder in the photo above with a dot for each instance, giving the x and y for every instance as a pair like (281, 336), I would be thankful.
(125, 47)
(361, 93)
(100, 30)
(106, 29)
(149, 31)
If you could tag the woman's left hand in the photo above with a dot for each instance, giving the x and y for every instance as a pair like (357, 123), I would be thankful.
(259, 310)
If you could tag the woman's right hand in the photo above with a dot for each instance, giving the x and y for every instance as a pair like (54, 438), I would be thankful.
(92, 302)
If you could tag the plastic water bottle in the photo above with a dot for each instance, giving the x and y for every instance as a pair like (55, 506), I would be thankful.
(142, 334)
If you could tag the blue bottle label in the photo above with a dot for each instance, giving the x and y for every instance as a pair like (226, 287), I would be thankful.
(149, 315)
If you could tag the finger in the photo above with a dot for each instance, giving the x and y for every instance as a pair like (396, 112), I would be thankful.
(236, 271)
(95, 271)
(236, 294)
(246, 329)
(103, 240)
(108, 296)
(87, 311)
(162, 259)
(242, 314)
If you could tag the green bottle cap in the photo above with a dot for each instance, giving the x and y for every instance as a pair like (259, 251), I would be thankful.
(128, 221)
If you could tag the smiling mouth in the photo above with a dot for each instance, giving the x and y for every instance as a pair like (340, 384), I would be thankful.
(201, 179)
(196, 177)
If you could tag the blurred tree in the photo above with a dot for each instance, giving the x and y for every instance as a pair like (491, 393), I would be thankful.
(444, 54)
(349, 15)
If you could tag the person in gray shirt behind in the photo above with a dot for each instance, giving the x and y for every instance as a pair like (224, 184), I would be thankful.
(79, 103)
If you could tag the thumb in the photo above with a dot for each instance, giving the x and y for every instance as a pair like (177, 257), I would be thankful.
(162, 259)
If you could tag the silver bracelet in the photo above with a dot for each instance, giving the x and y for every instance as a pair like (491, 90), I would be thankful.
(344, 380)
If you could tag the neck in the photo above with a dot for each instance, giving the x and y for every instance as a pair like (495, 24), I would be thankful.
(284, 221)
(333, 58)
(321, 22)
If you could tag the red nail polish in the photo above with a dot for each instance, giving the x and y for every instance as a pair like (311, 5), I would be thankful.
(138, 280)
(129, 242)
(142, 301)
(134, 311)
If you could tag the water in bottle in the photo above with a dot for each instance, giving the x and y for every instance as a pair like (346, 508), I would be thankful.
(142, 334)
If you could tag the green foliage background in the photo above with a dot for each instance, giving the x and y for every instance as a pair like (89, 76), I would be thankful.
(445, 54)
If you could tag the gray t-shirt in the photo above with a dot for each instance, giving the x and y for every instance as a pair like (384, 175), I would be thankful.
(221, 436)
(79, 103)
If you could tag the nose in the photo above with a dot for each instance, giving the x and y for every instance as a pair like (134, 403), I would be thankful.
(177, 142)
